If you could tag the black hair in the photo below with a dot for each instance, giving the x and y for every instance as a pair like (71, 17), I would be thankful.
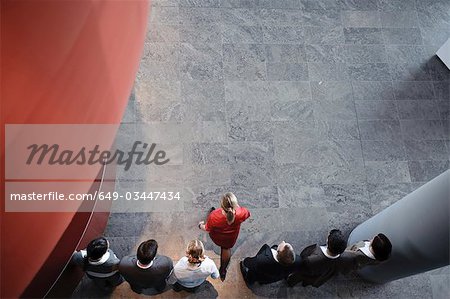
(97, 248)
(146, 251)
(336, 242)
(381, 247)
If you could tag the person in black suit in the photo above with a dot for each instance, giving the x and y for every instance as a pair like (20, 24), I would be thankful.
(146, 269)
(270, 264)
(370, 252)
(319, 263)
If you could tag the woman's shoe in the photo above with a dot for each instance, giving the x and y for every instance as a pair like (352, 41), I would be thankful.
(223, 274)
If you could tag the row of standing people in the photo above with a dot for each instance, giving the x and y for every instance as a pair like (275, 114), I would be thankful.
(147, 269)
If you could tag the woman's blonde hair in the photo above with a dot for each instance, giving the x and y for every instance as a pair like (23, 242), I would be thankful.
(195, 252)
(229, 205)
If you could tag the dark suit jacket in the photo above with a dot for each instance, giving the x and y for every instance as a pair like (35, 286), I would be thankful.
(153, 277)
(264, 269)
(315, 268)
(360, 258)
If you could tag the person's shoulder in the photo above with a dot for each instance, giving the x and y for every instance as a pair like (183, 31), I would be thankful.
(243, 213)
(127, 262)
(164, 259)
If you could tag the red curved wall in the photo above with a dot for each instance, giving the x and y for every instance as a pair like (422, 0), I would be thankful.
(62, 62)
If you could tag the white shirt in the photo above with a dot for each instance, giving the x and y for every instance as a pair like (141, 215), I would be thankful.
(324, 250)
(192, 275)
(366, 250)
(275, 254)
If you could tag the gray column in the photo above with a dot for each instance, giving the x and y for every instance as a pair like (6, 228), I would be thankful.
(418, 227)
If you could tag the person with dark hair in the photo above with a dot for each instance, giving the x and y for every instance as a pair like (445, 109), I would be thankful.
(319, 263)
(100, 264)
(146, 269)
(192, 270)
(370, 252)
(270, 264)
(223, 226)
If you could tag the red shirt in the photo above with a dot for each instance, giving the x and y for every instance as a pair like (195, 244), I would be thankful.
(222, 233)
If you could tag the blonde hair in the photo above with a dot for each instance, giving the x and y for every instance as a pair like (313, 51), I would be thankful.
(195, 252)
(287, 255)
(229, 205)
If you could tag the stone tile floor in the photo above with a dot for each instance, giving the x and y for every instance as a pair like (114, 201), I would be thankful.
(317, 114)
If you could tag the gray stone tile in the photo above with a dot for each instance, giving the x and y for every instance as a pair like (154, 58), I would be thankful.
(406, 54)
(162, 33)
(244, 111)
(156, 3)
(159, 111)
(203, 131)
(325, 53)
(295, 110)
(442, 90)
(240, 3)
(205, 175)
(165, 15)
(285, 53)
(310, 218)
(425, 171)
(363, 36)
(328, 72)
(281, 17)
(397, 5)
(436, 69)
(358, 4)
(283, 34)
(335, 110)
(242, 34)
(423, 130)
(244, 53)
(257, 197)
(402, 36)
(321, 18)
(444, 109)
(341, 129)
(202, 33)
(237, 71)
(360, 18)
(418, 109)
(279, 4)
(369, 72)
(440, 286)
(296, 174)
(373, 110)
(241, 16)
(198, 3)
(390, 150)
(364, 53)
(399, 19)
(302, 130)
(338, 91)
(383, 151)
(199, 15)
(372, 90)
(301, 196)
(206, 153)
(323, 153)
(154, 91)
(203, 100)
(287, 71)
(324, 35)
(383, 195)
(251, 175)
(165, 71)
(351, 172)
(309, 5)
(387, 172)
(379, 129)
(409, 72)
(346, 220)
(251, 152)
(426, 150)
(250, 131)
(266, 91)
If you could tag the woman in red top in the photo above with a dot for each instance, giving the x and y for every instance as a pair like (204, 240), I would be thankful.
(223, 226)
